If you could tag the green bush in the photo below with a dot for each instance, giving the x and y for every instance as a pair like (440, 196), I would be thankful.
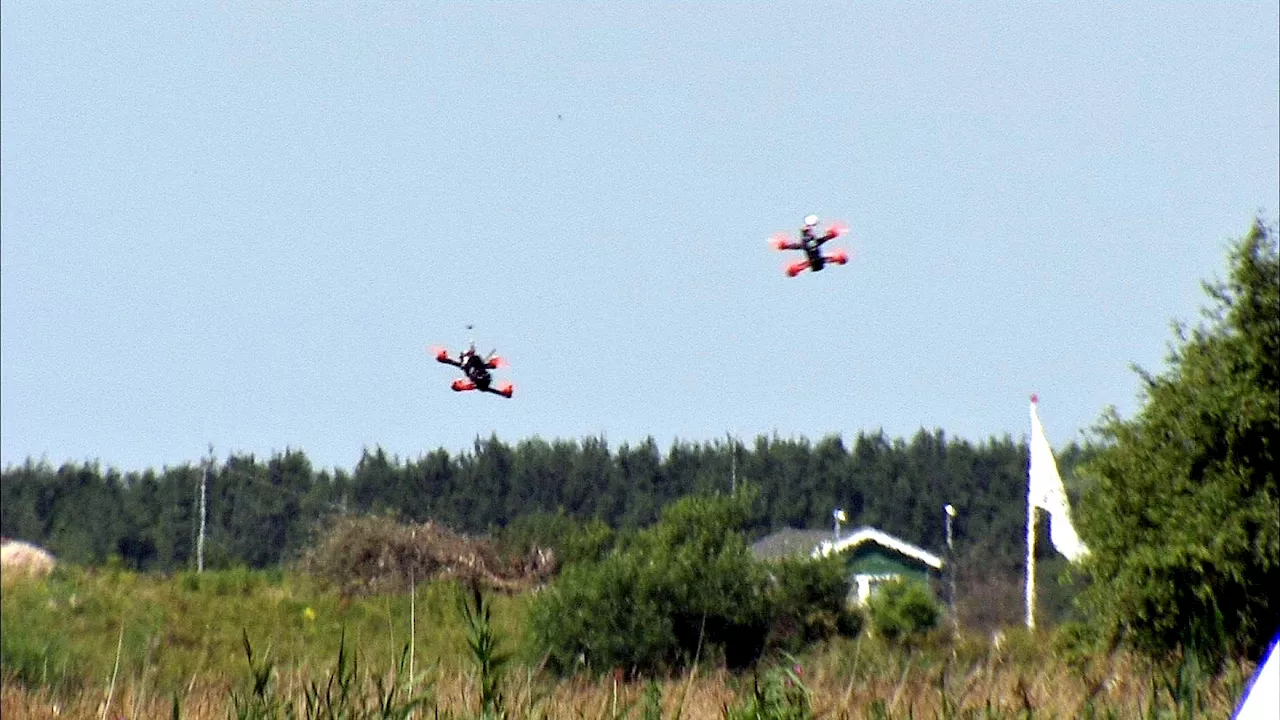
(598, 615)
(571, 540)
(687, 588)
(807, 603)
(903, 610)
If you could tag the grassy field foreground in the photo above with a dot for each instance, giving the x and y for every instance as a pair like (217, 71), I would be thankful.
(111, 643)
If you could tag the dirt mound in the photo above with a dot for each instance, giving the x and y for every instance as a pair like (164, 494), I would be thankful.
(369, 555)
(20, 559)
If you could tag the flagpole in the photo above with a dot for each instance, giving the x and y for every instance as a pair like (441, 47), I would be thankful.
(1031, 565)
(1031, 550)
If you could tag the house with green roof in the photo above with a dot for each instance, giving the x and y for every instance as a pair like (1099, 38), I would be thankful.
(871, 556)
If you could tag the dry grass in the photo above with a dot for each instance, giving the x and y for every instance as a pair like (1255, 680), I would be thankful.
(908, 687)
(19, 559)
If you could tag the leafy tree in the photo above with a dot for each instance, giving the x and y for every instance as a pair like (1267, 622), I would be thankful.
(1183, 513)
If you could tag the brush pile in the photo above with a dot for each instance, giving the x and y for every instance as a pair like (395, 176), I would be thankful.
(21, 559)
(372, 555)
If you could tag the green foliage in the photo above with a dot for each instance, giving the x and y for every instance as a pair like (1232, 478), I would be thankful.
(903, 610)
(570, 540)
(1183, 515)
(1076, 643)
(687, 582)
(482, 642)
(779, 695)
(29, 652)
(687, 587)
(346, 693)
(807, 600)
(570, 496)
(63, 632)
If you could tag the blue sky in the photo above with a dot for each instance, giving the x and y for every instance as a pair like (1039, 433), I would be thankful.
(244, 224)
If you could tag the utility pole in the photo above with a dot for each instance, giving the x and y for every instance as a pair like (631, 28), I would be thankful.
(733, 464)
(204, 485)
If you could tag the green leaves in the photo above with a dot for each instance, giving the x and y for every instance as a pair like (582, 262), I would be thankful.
(1184, 515)
(903, 610)
(653, 603)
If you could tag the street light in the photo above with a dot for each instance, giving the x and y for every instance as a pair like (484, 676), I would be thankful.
(950, 511)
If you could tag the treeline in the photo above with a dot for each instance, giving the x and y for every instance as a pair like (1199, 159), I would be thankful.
(263, 513)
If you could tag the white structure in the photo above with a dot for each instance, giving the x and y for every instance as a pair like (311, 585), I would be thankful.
(865, 582)
(1262, 700)
(1046, 491)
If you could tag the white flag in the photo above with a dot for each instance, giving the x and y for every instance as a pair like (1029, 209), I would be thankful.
(1045, 490)
(1262, 700)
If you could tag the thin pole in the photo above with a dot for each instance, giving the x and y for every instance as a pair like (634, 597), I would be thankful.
(733, 464)
(949, 510)
(204, 483)
(1031, 565)
(413, 598)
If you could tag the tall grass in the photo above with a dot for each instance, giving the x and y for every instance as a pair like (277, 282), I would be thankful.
(61, 633)
(253, 645)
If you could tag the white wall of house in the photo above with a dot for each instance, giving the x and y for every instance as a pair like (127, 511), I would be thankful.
(865, 583)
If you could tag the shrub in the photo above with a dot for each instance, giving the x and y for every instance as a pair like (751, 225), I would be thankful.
(569, 540)
(807, 603)
(687, 588)
(903, 610)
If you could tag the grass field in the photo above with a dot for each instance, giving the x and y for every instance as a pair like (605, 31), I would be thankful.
(109, 643)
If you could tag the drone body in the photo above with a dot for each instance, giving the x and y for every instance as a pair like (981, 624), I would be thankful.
(811, 243)
(477, 369)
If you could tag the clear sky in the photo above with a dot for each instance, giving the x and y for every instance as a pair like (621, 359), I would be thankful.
(244, 223)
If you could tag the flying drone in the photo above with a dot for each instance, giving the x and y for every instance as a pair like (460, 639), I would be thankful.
(811, 243)
(477, 369)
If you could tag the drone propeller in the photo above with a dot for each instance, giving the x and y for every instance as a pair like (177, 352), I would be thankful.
(438, 352)
(838, 228)
(779, 241)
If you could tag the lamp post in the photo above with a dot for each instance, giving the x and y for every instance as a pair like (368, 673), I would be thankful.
(950, 512)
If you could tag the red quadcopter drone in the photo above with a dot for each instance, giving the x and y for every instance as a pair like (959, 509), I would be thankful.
(476, 369)
(811, 243)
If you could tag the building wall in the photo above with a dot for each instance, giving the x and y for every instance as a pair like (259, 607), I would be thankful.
(878, 561)
(870, 565)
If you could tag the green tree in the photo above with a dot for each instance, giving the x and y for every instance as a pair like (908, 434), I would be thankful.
(1182, 514)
